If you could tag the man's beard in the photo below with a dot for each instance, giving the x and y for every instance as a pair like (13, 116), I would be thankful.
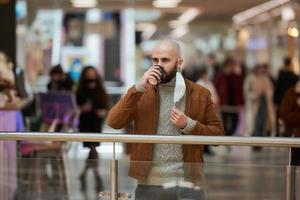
(170, 76)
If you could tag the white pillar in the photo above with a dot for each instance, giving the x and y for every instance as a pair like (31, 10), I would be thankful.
(57, 40)
(127, 49)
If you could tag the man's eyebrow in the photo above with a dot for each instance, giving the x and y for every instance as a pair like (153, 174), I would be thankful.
(161, 58)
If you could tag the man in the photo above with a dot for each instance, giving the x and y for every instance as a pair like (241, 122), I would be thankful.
(289, 112)
(153, 112)
(286, 79)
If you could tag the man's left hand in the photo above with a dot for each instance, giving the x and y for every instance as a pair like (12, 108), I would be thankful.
(178, 118)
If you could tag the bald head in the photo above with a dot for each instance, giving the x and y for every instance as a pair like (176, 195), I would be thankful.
(170, 46)
(167, 53)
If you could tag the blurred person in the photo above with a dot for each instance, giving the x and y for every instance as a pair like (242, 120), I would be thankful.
(59, 81)
(6, 68)
(212, 66)
(259, 91)
(191, 71)
(241, 70)
(7, 82)
(229, 85)
(286, 79)
(191, 66)
(152, 109)
(289, 112)
(271, 105)
(93, 101)
(205, 82)
(266, 68)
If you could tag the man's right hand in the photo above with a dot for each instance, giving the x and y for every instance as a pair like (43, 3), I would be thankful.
(152, 72)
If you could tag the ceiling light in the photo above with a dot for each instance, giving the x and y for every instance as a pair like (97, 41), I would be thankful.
(93, 16)
(188, 15)
(148, 30)
(166, 3)
(84, 3)
(287, 14)
(244, 34)
(174, 23)
(185, 18)
(146, 15)
(257, 10)
(180, 31)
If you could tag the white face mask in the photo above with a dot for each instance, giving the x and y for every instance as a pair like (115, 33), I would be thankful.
(179, 87)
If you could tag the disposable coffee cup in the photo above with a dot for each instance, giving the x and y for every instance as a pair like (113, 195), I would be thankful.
(154, 80)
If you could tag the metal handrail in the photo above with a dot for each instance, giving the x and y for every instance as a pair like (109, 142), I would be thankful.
(157, 139)
(183, 139)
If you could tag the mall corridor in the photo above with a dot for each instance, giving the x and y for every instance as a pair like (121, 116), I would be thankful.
(149, 99)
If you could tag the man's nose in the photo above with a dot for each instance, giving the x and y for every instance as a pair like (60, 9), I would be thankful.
(160, 62)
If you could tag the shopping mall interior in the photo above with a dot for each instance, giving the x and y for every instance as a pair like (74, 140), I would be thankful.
(78, 117)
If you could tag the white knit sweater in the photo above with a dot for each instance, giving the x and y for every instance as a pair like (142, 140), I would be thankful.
(167, 163)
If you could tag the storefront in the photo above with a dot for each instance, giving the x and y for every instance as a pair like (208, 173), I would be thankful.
(269, 32)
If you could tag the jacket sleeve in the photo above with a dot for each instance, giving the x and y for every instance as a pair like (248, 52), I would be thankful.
(212, 124)
(124, 111)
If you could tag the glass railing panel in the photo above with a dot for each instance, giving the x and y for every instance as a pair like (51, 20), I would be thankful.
(56, 174)
(205, 181)
(297, 183)
(51, 178)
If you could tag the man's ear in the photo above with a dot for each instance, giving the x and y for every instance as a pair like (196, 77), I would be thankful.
(180, 61)
(179, 64)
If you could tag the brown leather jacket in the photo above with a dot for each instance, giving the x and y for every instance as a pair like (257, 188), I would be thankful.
(289, 112)
(143, 109)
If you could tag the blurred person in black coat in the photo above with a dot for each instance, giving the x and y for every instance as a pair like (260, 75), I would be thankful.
(59, 81)
(92, 101)
(286, 79)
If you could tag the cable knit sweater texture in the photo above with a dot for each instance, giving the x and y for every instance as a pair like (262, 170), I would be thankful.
(167, 158)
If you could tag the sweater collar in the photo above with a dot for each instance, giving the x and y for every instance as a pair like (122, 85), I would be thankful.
(169, 84)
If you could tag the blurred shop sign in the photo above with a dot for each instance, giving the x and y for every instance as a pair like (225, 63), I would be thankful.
(56, 106)
(102, 23)
(257, 43)
(105, 28)
(73, 59)
(74, 29)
